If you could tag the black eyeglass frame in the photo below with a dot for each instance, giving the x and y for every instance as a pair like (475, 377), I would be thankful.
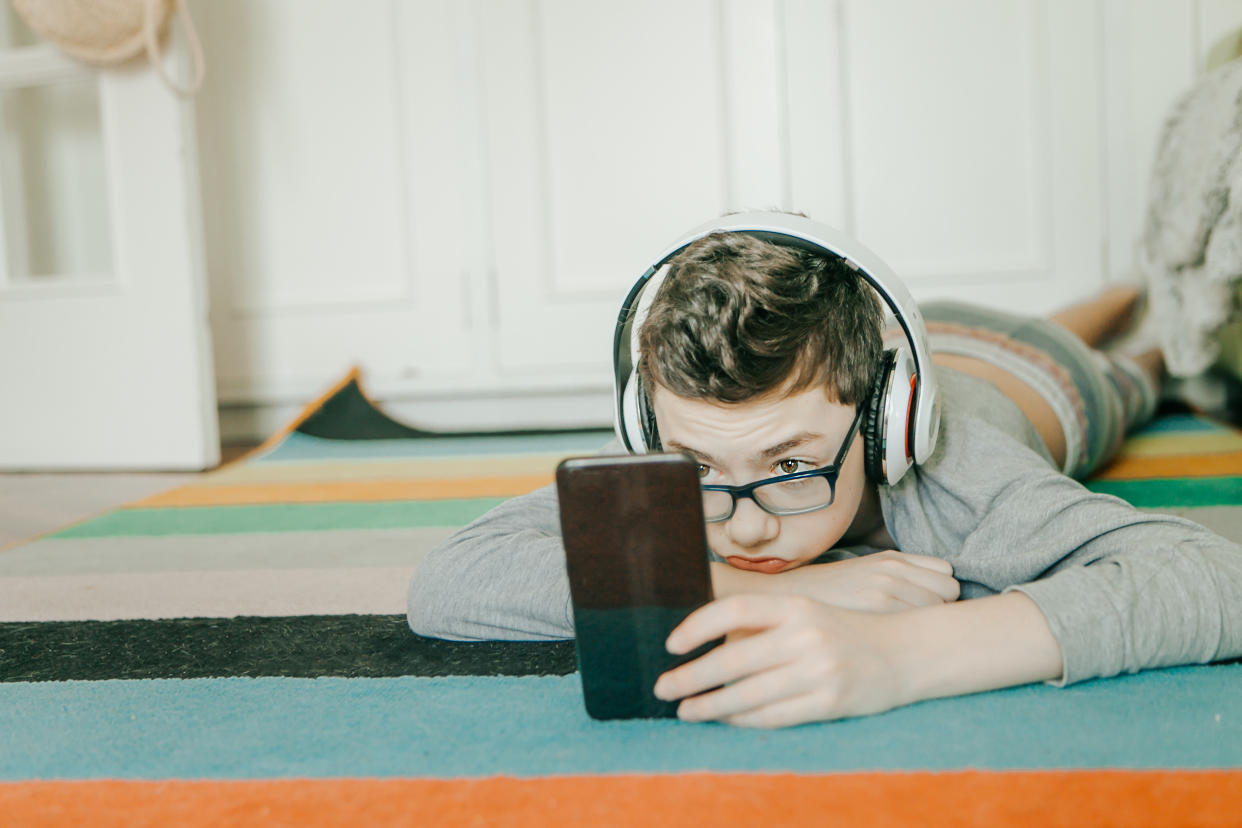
(831, 471)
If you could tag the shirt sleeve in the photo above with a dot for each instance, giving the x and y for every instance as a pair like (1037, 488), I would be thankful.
(1123, 590)
(1153, 592)
(502, 577)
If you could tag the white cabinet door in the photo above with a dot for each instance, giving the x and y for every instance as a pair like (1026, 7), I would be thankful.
(339, 229)
(960, 140)
(104, 354)
(611, 129)
(963, 138)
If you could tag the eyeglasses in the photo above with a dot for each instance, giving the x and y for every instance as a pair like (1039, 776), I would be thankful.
(788, 494)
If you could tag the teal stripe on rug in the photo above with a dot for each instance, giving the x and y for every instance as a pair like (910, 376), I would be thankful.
(298, 447)
(1173, 492)
(285, 517)
(1181, 423)
(535, 726)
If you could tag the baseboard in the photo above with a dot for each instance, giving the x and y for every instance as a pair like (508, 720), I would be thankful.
(252, 422)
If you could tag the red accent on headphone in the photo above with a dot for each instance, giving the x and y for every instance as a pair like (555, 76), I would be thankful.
(909, 408)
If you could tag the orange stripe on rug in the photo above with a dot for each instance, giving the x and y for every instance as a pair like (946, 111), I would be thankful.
(347, 491)
(1151, 467)
(958, 798)
(1157, 445)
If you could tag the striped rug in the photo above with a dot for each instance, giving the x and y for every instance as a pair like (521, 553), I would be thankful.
(235, 651)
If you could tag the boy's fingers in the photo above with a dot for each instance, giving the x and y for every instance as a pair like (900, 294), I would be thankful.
(916, 595)
(728, 662)
(928, 562)
(725, 615)
(748, 694)
(783, 713)
(945, 587)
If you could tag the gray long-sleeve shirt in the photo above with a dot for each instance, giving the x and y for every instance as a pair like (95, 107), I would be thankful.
(1122, 590)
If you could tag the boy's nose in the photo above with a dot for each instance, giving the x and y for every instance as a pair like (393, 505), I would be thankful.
(750, 525)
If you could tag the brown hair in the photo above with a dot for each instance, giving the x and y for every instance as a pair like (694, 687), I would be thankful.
(738, 318)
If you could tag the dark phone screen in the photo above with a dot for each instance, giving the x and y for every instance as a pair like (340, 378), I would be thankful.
(636, 553)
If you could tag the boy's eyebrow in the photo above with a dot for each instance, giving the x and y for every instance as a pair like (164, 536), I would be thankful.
(673, 445)
(769, 453)
(794, 442)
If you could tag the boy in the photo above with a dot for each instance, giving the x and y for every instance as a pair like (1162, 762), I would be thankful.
(759, 361)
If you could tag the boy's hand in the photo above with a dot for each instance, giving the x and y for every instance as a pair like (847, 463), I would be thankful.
(787, 660)
(889, 581)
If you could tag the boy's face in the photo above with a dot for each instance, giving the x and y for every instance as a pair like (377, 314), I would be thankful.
(739, 443)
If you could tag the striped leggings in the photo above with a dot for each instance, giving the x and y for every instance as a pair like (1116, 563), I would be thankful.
(1098, 396)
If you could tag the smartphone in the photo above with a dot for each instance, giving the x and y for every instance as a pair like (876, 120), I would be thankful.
(636, 552)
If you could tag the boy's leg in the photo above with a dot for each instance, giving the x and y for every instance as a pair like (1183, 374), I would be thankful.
(1080, 400)
(1101, 317)
(1152, 363)
(1136, 381)
(1137, 376)
(1030, 401)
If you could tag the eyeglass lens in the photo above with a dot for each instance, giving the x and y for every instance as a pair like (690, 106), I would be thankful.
(785, 497)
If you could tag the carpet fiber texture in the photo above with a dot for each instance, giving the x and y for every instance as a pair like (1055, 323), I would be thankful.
(235, 650)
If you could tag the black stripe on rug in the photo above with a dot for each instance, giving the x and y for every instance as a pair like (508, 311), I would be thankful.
(301, 646)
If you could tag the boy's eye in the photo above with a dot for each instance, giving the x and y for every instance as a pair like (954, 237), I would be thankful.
(708, 475)
(789, 466)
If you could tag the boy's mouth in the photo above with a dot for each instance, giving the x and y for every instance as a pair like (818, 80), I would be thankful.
(769, 566)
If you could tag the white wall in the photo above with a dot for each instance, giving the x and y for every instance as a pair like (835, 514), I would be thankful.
(457, 193)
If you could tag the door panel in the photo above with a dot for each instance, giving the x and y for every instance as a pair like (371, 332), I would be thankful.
(104, 354)
(338, 226)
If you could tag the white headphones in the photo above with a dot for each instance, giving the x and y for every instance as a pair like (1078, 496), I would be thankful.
(902, 420)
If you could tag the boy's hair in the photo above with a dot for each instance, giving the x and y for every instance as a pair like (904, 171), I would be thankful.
(738, 318)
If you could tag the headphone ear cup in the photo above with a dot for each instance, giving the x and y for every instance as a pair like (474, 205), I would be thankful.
(873, 421)
(887, 427)
(630, 418)
(646, 417)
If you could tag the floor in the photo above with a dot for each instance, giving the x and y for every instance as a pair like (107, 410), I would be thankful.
(32, 504)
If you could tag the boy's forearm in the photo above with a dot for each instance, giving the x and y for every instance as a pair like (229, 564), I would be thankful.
(971, 646)
(949, 649)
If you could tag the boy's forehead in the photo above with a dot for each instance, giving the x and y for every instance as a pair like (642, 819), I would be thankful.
(786, 397)
(757, 420)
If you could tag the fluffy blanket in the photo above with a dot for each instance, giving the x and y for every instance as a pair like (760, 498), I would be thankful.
(1190, 253)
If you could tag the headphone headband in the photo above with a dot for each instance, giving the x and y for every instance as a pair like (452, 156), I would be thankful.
(793, 231)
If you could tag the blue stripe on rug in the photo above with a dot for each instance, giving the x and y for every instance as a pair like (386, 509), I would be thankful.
(535, 726)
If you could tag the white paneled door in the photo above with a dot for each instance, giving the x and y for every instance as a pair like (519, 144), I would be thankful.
(104, 354)
(959, 140)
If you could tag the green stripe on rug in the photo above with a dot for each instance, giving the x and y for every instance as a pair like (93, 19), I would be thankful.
(222, 520)
(111, 554)
(1173, 492)
(306, 646)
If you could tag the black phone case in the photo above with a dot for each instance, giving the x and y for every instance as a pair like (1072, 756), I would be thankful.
(636, 553)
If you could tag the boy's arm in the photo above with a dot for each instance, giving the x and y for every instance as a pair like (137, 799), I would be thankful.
(501, 577)
(1134, 591)
(792, 660)
(879, 581)
(1156, 594)
(1122, 590)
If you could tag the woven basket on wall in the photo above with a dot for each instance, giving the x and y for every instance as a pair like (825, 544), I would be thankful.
(108, 32)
